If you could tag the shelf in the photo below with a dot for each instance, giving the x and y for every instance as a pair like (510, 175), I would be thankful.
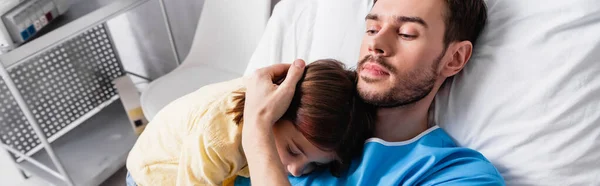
(78, 9)
(82, 15)
(91, 152)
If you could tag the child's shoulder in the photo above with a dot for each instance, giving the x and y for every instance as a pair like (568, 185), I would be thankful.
(220, 96)
(195, 105)
(219, 89)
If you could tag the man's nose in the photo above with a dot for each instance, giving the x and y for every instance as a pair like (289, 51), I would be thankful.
(380, 43)
(295, 169)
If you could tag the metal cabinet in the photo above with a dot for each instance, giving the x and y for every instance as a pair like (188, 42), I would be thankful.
(51, 92)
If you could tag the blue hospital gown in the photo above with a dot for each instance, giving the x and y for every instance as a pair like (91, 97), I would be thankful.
(432, 158)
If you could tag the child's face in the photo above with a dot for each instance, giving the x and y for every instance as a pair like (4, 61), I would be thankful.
(297, 154)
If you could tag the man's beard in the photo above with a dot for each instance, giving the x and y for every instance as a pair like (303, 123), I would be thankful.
(410, 87)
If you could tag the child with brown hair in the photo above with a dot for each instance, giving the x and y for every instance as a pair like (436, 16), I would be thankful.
(196, 140)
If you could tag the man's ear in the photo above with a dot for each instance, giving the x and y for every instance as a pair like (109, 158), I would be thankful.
(458, 54)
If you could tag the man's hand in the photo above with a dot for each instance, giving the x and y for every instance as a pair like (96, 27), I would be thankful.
(265, 103)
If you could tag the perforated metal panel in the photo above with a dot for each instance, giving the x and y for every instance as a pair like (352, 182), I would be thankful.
(60, 85)
(14, 128)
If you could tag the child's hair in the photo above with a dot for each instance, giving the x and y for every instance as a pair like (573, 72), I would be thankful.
(327, 110)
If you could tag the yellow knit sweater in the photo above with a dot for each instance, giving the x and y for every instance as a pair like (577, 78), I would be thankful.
(192, 141)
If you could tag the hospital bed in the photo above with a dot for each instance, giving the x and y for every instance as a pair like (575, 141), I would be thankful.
(529, 99)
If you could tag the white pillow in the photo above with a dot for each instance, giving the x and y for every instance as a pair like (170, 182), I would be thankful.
(529, 99)
(312, 30)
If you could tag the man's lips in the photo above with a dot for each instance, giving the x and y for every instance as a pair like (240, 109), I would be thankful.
(374, 69)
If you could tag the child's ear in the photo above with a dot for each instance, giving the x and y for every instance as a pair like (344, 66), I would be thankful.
(457, 56)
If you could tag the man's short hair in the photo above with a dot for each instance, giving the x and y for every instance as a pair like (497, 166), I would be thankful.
(465, 20)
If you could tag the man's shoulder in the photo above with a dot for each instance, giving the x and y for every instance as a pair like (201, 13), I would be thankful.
(466, 167)
(432, 158)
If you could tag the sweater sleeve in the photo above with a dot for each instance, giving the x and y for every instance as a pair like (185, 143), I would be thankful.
(215, 154)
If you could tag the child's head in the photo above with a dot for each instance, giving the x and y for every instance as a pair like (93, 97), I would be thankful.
(326, 123)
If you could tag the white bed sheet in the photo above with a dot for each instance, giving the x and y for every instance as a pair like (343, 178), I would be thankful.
(294, 32)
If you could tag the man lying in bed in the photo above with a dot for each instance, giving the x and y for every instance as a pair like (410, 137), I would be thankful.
(409, 49)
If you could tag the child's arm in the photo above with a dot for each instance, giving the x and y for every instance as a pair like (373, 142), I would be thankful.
(204, 163)
(211, 154)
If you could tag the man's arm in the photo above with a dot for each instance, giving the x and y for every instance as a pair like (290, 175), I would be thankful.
(263, 160)
(265, 103)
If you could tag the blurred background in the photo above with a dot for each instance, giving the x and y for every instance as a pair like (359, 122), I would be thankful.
(141, 39)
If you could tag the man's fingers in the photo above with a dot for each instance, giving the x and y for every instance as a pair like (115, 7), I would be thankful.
(274, 71)
(295, 72)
